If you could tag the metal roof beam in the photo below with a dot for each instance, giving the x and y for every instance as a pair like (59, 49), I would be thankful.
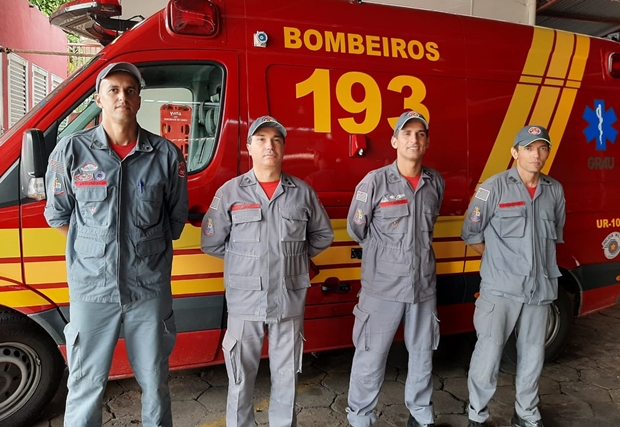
(543, 4)
(578, 17)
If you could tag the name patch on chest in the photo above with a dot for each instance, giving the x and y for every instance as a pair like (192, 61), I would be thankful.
(511, 204)
(244, 206)
(91, 183)
(393, 203)
(393, 200)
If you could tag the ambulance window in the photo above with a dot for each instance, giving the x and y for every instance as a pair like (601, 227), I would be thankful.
(9, 187)
(180, 101)
(84, 116)
(168, 112)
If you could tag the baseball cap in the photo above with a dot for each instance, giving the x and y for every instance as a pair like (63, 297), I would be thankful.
(119, 66)
(409, 115)
(266, 121)
(532, 133)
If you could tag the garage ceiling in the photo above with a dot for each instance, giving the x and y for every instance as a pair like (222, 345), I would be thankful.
(594, 17)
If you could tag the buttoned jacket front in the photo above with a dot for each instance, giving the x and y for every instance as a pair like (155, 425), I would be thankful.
(266, 245)
(520, 235)
(122, 214)
(394, 224)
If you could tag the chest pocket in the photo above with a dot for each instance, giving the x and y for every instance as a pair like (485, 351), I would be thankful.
(246, 225)
(430, 212)
(511, 222)
(293, 225)
(93, 205)
(148, 207)
(547, 227)
(394, 219)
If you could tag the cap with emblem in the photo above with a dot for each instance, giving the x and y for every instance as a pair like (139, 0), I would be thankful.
(530, 134)
(266, 121)
(119, 66)
(409, 115)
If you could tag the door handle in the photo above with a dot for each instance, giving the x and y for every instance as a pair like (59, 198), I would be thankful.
(333, 284)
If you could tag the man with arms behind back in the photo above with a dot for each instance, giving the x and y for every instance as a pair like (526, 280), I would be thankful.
(119, 194)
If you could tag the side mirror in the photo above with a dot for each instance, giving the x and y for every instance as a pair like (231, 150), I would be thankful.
(33, 165)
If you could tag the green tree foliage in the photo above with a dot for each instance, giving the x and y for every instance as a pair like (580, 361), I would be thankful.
(47, 6)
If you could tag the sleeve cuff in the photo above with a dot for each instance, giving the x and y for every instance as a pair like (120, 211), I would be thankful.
(472, 240)
(176, 229)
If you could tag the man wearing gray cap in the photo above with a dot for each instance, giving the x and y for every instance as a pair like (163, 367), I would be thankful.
(119, 195)
(392, 217)
(514, 221)
(266, 225)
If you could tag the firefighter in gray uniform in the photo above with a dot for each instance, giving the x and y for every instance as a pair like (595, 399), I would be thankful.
(119, 194)
(392, 217)
(266, 225)
(514, 221)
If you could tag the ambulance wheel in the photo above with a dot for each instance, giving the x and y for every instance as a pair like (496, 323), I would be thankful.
(558, 327)
(31, 368)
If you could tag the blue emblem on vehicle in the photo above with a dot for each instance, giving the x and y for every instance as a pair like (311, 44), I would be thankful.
(601, 125)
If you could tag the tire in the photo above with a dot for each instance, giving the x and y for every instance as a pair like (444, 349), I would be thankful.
(559, 325)
(31, 368)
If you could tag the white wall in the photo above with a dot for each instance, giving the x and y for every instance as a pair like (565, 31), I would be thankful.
(141, 7)
(521, 11)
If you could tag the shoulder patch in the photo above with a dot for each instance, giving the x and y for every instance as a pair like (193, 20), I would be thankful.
(476, 214)
(361, 196)
(215, 204)
(482, 194)
(57, 185)
(359, 217)
(57, 167)
(208, 229)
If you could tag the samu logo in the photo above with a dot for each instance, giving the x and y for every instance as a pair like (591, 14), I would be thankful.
(601, 125)
(602, 130)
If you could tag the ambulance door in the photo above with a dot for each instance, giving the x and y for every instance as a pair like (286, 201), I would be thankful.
(188, 101)
(10, 249)
(340, 119)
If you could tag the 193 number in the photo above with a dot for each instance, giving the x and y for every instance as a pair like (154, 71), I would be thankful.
(319, 85)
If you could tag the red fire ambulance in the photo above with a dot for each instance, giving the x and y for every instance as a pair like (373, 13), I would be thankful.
(337, 73)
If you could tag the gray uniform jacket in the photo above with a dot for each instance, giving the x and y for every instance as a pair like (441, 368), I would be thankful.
(394, 224)
(520, 234)
(266, 245)
(122, 215)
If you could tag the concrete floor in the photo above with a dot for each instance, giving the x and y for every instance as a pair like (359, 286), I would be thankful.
(580, 389)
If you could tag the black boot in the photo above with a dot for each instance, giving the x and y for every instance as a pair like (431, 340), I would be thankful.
(517, 421)
(412, 422)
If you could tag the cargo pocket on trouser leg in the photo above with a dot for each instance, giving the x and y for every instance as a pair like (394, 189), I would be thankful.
(231, 357)
(361, 334)
(483, 317)
(170, 335)
(74, 360)
(299, 352)
(435, 330)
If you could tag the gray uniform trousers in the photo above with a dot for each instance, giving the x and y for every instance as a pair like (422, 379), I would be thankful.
(376, 322)
(495, 318)
(243, 344)
(91, 337)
